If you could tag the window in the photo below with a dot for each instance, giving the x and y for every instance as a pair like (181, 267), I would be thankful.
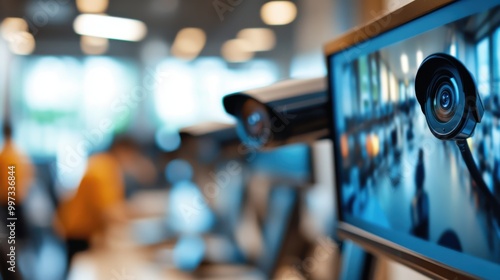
(496, 55)
(374, 78)
(176, 96)
(364, 84)
(190, 93)
(483, 66)
(394, 88)
(62, 100)
(384, 83)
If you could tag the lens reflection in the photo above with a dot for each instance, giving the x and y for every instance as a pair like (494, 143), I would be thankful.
(445, 99)
(256, 122)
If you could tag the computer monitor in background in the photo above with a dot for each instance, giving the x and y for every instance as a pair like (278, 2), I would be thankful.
(401, 191)
(254, 196)
(287, 171)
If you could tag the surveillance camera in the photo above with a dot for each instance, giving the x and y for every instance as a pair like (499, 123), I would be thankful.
(209, 141)
(448, 97)
(286, 112)
(451, 104)
(220, 132)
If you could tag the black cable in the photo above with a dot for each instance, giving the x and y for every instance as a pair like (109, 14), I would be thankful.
(478, 178)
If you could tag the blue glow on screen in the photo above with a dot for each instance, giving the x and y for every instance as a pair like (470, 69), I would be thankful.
(178, 170)
(189, 252)
(188, 212)
(395, 179)
(292, 161)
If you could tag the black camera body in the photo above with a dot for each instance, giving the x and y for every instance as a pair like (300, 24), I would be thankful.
(286, 112)
(448, 97)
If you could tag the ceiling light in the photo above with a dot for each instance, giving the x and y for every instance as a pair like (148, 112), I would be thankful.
(94, 45)
(236, 50)
(11, 26)
(23, 44)
(110, 27)
(189, 43)
(258, 39)
(92, 6)
(278, 12)
(405, 65)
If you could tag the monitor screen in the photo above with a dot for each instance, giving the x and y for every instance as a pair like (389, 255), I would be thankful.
(407, 192)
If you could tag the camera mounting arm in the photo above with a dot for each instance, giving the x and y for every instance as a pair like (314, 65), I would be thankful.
(478, 178)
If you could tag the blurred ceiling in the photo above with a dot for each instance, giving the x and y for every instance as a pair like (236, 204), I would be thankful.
(51, 23)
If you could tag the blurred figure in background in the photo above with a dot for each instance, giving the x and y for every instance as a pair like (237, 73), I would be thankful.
(23, 175)
(138, 170)
(99, 201)
(12, 156)
(420, 203)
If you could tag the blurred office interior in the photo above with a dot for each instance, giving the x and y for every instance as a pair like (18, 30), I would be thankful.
(129, 166)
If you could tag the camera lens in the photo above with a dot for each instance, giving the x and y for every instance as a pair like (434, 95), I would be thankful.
(256, 121)
(447, 94)
(445, 99)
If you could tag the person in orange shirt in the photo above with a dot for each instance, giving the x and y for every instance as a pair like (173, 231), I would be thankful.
(11, 156)
(97, 202)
